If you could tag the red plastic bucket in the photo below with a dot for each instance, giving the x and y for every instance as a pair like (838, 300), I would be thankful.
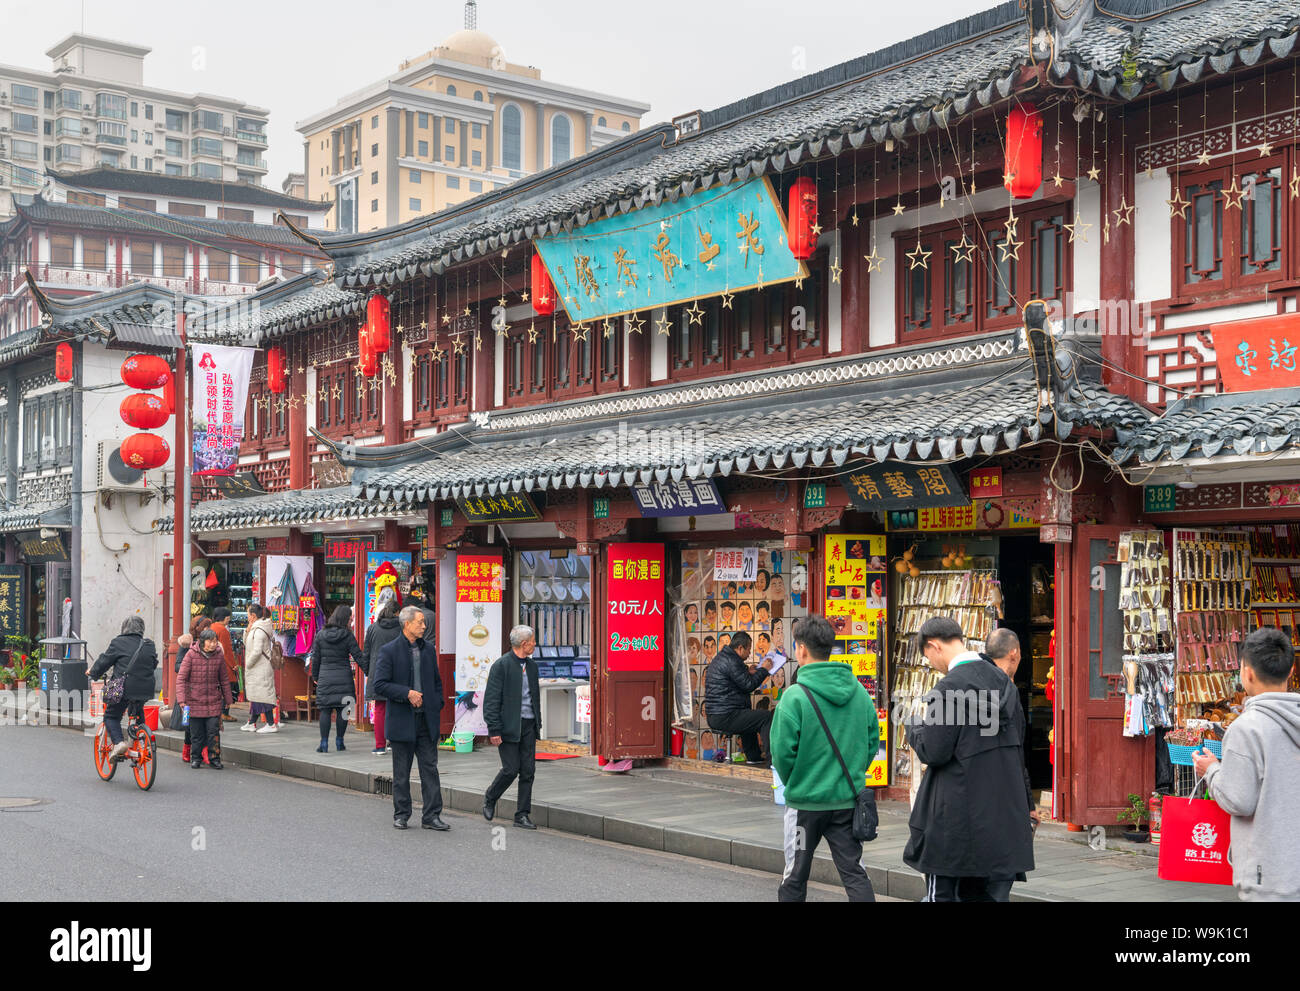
(678, 741)
(151, 714)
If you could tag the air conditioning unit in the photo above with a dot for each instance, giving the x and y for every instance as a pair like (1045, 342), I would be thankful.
(114, 475)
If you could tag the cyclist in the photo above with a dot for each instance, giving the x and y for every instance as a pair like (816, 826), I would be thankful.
(133, 656)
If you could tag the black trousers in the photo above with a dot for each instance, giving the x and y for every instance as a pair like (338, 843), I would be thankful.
(518, 760)
(1000, 890)
(341, 723)
(205, 731)
(941, 888)
(113, 717)
(425, 751)
(751, 725)
(836, 826)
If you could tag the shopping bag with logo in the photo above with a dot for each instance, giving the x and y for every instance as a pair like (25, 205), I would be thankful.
(1194, 839)
(284, 604)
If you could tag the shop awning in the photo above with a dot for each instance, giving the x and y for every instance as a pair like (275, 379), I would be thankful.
(294, 508)
(33, 518)
(751, 435)
(1254, 431)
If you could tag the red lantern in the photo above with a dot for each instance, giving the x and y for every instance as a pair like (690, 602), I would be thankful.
(145, 371)
(543, 290)
(275, 370)
(145, 451)
(803, 215)
(144, 411)
(1024, 165)
(63, 363)
(169, 394)
(377, 322)
(369, 360)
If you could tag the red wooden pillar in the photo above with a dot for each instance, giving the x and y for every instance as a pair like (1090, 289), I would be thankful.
(638, 362)
(854, 288)
(300, 444)
(483, 362)
(1117, 259)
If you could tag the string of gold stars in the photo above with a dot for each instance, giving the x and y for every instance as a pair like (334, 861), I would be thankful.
(1265, 149)
(1233, 194)
(1124, 212)
(875, 259)
(1094, 173)
(1204, 157)
(918, 257)
(1177, 205)
(1295, 126)
(836, 269)
(1077, 229)
(1058, 180)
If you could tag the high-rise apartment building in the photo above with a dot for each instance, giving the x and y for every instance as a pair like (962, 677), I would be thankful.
(450, 124)
(94, 110)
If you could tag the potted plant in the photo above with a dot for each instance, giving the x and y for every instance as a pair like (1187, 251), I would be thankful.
(7, 678)
(1135, 814)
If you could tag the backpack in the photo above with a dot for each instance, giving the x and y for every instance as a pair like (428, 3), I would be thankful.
(277, 652)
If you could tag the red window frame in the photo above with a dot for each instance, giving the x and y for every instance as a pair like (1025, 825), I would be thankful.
(352, 412)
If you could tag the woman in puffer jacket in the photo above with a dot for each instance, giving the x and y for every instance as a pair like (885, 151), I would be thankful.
(333, 652)
(204, 685)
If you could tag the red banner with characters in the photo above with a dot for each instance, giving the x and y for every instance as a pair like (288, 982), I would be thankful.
(635, 603)
(1263, 353)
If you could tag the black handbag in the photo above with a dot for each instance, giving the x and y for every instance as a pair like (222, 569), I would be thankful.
(115, 688)
(866, 819)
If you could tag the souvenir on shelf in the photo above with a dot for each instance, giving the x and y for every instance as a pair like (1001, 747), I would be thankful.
(1148, 632)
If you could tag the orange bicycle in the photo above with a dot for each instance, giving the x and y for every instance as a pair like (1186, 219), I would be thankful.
(142, 753)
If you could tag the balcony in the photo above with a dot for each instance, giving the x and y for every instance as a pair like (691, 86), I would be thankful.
(110, 139)
(74, 278)
(251, 138)
(258, 164)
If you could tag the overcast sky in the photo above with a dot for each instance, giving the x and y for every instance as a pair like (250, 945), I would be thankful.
(298, 58)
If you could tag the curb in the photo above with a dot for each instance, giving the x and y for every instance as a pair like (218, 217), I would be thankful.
(892, 880)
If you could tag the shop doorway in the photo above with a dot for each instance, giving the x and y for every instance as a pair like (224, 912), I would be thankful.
(1026, 570)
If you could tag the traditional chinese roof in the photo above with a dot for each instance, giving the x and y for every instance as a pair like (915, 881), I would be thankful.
(18, 346)
(1223, 426)
(152, 184)
(825, 427)
(139, 313)
(302, 301)
(16, 518)
(292, 508)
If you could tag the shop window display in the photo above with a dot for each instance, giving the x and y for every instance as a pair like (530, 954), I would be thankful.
(763, 594)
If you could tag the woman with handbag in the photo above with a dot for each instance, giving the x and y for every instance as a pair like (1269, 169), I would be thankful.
(332, 655)
(259, 673)
(132, 659)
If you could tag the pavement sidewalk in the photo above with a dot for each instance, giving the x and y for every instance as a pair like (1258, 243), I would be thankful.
(687, 814)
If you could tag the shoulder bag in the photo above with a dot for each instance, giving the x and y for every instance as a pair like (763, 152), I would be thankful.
(115, 688)
(866, 819)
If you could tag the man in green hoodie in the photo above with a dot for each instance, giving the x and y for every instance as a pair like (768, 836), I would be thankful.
(815, 783)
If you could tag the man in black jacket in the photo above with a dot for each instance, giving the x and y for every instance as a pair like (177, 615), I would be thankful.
(1003, 651)
(406, 676)
(728, 684)
(131, 656)
(971, 818)
(512, 708)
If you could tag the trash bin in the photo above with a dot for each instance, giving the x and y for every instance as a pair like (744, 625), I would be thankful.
(64, 684)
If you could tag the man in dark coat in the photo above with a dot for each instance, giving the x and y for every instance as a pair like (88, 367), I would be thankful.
(512, 708)
(971, 818)
(382, 632)
(1003, 651)
(728, 685)
(406, 677)
(133, 657)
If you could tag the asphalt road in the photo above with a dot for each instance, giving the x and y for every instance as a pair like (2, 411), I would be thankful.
(245, 835)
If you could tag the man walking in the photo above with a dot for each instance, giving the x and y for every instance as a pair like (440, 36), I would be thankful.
(803, 754)
(1003, 651)
(512, 707)
(1258, 780)
(971, 818)
(406, 677)
(727, 688)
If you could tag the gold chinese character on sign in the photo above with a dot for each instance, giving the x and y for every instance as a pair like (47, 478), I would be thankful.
(865, 486)
(626, 275)
(711, 250)
(748, 236)
(897, 483)
(665, 255)
(586, 278)
(933, 480)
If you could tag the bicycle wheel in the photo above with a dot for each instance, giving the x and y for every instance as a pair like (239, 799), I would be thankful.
(102, 746)
(145, 762)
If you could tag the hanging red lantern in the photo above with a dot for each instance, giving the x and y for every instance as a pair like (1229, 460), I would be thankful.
(1023, 173)
(369, 360)
(377, 323)
(144, 411)
(145, 451)
(543, 290)
(145, 371)
(275, 370)
(63, 363)
(169, 394)
(802, 217)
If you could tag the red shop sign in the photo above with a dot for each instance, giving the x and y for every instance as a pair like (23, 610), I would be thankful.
(1263, 353)
(344, 550)
(985, 483)
(635, 607)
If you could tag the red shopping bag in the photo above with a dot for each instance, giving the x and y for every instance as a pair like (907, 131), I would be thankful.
(1194, 841)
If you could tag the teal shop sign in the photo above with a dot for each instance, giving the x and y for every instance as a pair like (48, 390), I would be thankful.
(713, 243)
(1157, 498)
(600, 507)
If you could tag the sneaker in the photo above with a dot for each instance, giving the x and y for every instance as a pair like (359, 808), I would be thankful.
(248, 728)
(269, 728)
(378, 752)
(118, 750)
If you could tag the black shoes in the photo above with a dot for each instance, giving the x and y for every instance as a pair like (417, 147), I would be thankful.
(399, 823)
(523, 822)
(435, 823)
(196, 764)
(338, 745)
(216, 764)
(489, 809)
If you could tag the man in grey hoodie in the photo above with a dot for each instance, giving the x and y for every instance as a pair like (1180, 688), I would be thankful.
(1258, 781)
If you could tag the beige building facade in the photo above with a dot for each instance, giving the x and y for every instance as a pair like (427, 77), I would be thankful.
(455, 122)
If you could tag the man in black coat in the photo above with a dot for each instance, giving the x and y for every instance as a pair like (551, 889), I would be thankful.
(971, 818)
(132, 656)
(406, 676)
(728, 685)
(512, 708)
(1003, 651)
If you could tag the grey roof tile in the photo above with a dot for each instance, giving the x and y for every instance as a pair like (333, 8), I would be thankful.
(280, 509)
(1217, 426)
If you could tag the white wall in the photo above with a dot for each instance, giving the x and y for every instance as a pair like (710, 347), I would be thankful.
(1152, 237)
(1087, 246)
(658, 346)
